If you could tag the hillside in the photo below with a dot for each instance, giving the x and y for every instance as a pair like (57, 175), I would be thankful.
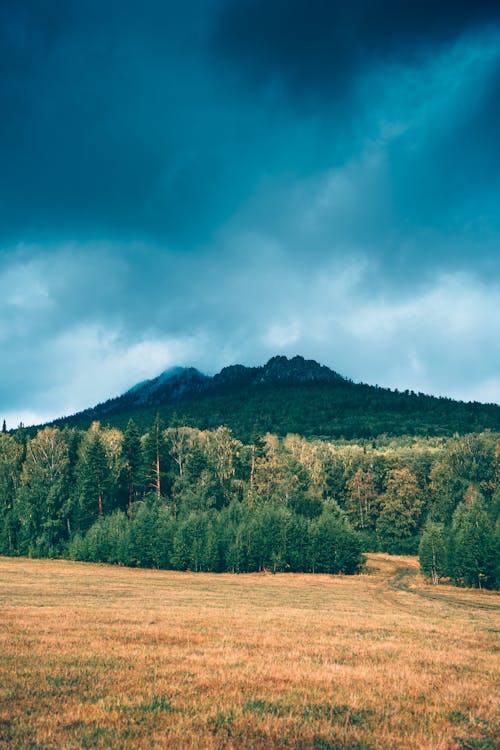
(288, 395)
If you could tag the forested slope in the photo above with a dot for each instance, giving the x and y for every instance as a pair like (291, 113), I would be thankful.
(288, 396)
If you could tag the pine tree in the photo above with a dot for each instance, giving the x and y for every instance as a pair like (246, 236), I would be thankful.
(194, 543)
(334, 546)
(94, 484)
(132, 457)
(156, 460)
(474, 549)
(10, 469)
(229, 526)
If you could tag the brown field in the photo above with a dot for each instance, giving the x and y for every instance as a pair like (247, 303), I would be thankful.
(106, 657)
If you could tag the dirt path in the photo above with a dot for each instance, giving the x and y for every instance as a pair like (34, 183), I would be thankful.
(402, 573)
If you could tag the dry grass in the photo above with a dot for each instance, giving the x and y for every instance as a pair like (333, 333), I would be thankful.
(106, 657)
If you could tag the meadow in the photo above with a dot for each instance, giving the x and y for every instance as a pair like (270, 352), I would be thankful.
(95, 656)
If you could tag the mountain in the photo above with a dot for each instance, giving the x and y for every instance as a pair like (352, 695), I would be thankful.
(182, 384)
(288, 395)
(278, 371)
(171, 385)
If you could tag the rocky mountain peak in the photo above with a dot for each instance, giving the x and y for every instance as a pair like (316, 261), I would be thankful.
(278, 370)
(296, 370)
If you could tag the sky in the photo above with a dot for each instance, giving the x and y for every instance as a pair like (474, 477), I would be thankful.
(218, 182)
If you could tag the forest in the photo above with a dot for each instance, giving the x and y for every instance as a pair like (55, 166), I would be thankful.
(313, 409)
(179, 497)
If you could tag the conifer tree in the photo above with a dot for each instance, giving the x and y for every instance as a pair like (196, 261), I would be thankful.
(334, 545)
(94, 484)
(10, 468)
(474, 549)
(132, 457)
(156, 460)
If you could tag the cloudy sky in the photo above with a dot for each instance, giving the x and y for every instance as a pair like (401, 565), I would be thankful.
(219, 181)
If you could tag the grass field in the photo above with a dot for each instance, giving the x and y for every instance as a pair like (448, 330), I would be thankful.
(107, 657)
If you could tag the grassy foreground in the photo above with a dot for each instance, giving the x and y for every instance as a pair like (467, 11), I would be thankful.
(106, 657)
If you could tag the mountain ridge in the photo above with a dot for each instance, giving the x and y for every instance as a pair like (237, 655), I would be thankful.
(180, 383)
(283, 396)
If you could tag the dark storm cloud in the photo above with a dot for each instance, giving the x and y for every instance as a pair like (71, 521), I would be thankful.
(315, 48)
(448, 174)
(120, 122)
(116, 125)
(102, 133)
(218, 181)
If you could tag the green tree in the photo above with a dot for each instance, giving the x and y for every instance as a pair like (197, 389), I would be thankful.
(10, 469)
(266, 537)
(195, 544)
(132, 462)
(230, 525)
(362, 501)
(151, 534)
(334, 545)
(473, 550)
(156, 461)
(432, 551)
(107, 541)
(401, 512)
(447, 491)
(94, 488)
(222, 450)
(43, 493)
(180, 442)
(256, 453)
(297, 549)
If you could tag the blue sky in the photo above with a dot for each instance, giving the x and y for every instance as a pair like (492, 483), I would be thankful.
(218, 182)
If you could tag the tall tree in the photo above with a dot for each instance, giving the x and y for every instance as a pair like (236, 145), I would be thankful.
(474, 554)
(94, 485)
(432, 551)
(44, 492)
(362, 501)
(222, 450)
(10, 468)
(132, 458)
(180, 441)
(156, 460)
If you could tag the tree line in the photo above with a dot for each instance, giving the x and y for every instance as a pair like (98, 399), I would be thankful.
(184, 498)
